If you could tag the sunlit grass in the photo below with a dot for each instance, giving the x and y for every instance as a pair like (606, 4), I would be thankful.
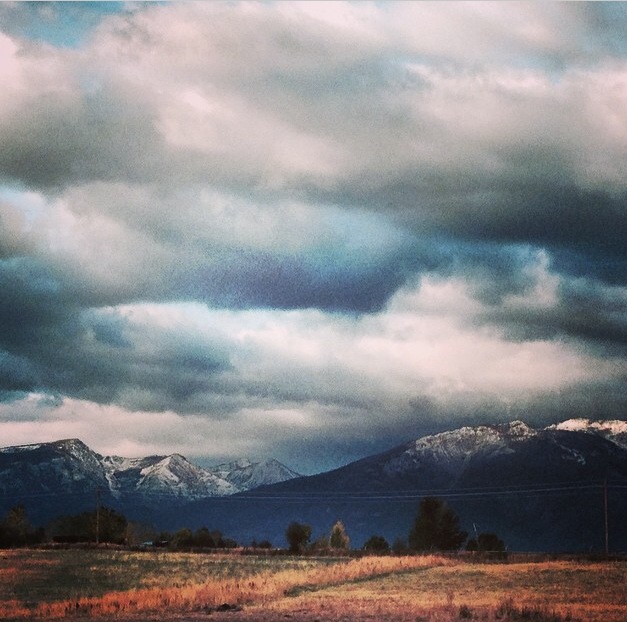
(113, 582)
(55, 584)
(584, 591)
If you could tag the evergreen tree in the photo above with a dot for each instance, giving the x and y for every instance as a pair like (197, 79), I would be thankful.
(17, 525)
(183, 539)
(102, 525)
(111, 526)
(16, 530)
(203, 539)
(436, 527)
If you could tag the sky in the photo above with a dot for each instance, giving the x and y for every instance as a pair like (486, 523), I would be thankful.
(309, 231)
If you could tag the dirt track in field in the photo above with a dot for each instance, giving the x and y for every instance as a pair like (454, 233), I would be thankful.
(257, 614)
(260, 616)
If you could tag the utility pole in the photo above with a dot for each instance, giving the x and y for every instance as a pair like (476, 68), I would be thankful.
(607, 535)
(97, 515)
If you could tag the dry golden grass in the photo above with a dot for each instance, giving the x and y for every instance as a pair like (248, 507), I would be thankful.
(260, 586)
(105, 584)
(589, 592)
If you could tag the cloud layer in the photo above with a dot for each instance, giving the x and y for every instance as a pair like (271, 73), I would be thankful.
(309, 230)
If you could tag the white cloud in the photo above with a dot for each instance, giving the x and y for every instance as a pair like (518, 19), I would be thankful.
(323, 97)
(308, 373)
(112, 430)
(429, 340)
(198, 184)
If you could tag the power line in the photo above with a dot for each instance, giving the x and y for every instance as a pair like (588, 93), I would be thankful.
(541, 490)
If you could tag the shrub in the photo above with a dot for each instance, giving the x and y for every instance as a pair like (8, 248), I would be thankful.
(377, 544)
(338, 538)
(297, 536)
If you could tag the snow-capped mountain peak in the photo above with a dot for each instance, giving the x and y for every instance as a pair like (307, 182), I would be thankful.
(519, 429)
(586, 425)
(614, 430)
(71, 467)
(20, 448)
(246, 475)
(459, 443)
(175, 475)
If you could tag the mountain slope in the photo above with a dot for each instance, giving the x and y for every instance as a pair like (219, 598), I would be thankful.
(159, 476)
(50, 478)
(614, 430)
(66, 476)
(539, 489)
(246, 475)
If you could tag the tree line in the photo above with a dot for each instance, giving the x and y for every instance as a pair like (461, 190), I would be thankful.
(435, 528)
(16, 530)
(104, 526)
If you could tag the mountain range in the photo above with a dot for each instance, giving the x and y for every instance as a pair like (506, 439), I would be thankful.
(67, 476)
(538, 488)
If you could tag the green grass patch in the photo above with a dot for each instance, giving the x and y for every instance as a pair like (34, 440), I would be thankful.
(38, 576)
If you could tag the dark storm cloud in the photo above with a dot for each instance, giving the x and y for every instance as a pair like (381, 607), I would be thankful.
(49, 344)
(351, 284)
(591, 222)
(54, 140)
(57, 344)
(335, 225)
(588, 225)
(585, 310)
(18, 375)
(30, 299)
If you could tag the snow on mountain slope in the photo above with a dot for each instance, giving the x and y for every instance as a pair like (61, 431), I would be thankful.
(228, 468)
(46, 468)
(614, 430)
(71, 467)
(174, 475)
(19, 448)
(459, 443)
(451, 451)
(246, 475)
(84, 462)
(156, 476)
(586, 425)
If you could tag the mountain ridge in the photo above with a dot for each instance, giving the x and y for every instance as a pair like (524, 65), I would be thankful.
(69, 470)
(538, 488)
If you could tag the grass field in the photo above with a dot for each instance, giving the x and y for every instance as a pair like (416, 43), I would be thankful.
(45, 584)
